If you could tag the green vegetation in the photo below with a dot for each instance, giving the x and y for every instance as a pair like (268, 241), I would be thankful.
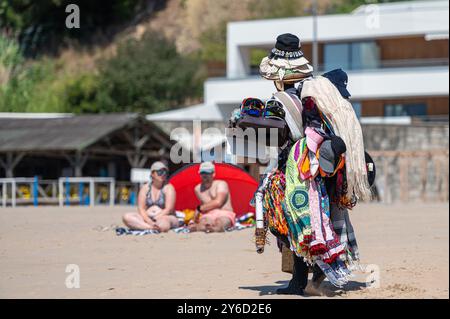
(102, 67)
(147, 75)
(267, 9)
(350, 5)
(40, 24)
(213, 43)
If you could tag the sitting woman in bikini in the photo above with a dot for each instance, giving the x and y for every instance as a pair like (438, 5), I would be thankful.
(156, 203)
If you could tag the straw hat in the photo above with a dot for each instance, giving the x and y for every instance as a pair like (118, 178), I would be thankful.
(286, 61)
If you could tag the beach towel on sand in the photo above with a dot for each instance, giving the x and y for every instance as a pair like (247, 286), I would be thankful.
(243, 222)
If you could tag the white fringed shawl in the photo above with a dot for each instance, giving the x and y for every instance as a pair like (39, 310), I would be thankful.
(345, 124)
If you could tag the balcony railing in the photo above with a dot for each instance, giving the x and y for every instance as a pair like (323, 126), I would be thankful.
(385, 64)
(414, 63)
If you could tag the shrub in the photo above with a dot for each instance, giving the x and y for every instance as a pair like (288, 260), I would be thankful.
(147, 75)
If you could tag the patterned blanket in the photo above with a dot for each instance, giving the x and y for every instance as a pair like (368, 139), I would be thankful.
(243, 222)
(297, 201)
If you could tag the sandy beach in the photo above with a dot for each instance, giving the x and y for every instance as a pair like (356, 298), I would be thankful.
(408, 243)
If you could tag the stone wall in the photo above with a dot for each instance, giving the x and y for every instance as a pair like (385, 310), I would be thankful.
(406, 137)
(411, 161)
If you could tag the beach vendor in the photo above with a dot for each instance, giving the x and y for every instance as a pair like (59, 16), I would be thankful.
(321, 168)
(156, 203)
(215, 212)
(287, 67)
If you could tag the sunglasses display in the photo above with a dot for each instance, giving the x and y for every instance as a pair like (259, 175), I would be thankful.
(255, 107)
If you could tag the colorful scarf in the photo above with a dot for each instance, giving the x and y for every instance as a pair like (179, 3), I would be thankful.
(274, 203)
(325, 244)
(297, 202)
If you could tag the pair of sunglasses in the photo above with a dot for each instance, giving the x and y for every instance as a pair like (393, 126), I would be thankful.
(274, 109)
(206, 173)
(256, 108)
(161, 172)
(252, 106)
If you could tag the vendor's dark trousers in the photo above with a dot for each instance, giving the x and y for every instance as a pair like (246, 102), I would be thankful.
(300, 273)
(299, 278)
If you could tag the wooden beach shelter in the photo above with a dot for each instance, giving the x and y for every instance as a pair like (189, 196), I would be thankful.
(42, 144)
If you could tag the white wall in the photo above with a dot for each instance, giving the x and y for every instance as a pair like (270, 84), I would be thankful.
(372, 22)
(383, 83)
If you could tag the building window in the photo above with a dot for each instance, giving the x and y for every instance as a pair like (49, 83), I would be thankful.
(409, 109)
(351, 55)
(336, 56)
(357, 108)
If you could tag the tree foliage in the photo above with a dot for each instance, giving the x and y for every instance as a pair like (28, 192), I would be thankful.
(148, 75)
(40, 25)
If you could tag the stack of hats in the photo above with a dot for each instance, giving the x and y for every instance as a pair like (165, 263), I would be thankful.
(286, 62)
(330, 153)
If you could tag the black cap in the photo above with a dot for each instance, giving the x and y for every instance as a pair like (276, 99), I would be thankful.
(287, 46)
(339, 78)
(338, 145)
(287, 42)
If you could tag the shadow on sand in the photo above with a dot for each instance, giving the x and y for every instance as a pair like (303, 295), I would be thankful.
(328, 289)
(267, 290)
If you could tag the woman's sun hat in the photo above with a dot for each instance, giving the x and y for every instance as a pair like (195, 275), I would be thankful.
(286, 61)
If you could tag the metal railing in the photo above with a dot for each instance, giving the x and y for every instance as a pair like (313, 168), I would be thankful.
(30, 190)
(26, 191)
(64, 182)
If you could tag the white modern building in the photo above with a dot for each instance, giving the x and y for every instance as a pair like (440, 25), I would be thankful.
(396, 56)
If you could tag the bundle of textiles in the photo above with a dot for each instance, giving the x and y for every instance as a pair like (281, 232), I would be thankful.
(274, 203)
(339, 116)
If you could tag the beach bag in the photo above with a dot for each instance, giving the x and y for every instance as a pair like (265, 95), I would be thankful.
(287, 260)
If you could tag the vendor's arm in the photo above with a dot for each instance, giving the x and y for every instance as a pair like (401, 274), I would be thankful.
(220, 200)
(141, 206)
(170, 197)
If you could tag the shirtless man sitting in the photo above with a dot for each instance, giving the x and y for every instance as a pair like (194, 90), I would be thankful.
(215, 213)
